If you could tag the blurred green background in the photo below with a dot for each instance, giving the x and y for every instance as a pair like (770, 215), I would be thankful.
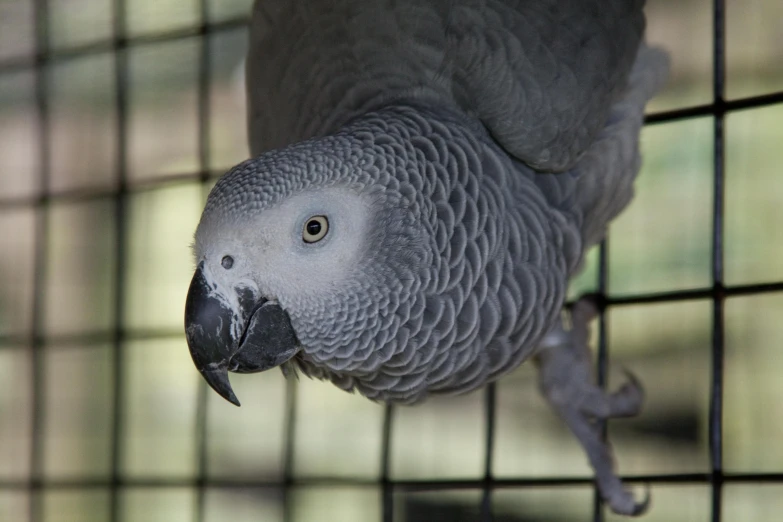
(661, 243)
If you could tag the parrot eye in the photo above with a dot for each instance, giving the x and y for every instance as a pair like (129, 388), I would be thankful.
(227, 262)
(315, 229)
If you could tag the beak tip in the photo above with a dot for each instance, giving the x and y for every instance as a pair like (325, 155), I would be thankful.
(217, 379)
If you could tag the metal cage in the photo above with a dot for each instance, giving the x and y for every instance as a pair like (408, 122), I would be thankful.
(32, 343)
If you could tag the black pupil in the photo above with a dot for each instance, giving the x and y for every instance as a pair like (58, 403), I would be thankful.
(313, 227)
(227, 262)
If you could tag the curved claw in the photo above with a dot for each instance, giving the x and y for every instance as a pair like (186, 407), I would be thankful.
(642, 507)
(627, 401)
(632, 379)
(625, 504)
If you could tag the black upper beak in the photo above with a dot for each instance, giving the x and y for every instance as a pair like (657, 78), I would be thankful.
(267, 338)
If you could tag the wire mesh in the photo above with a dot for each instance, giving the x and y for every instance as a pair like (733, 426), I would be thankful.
(121, 484)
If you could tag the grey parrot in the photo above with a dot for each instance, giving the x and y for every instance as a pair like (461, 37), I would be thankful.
(426, 177)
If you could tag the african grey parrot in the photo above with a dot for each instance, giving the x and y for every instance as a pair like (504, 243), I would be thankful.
(427, 176)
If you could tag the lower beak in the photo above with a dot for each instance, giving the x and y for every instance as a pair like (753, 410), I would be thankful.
(267, 339)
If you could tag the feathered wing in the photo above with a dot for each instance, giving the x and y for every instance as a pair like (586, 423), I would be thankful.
(612, 162)
(541, 75)
(600, 185)
(313, 65)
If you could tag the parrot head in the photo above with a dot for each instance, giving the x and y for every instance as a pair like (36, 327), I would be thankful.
(300, 254)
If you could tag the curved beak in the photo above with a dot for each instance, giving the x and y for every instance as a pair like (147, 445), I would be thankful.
(254, 337)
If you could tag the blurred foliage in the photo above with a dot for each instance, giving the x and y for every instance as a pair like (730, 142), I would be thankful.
(661, 243)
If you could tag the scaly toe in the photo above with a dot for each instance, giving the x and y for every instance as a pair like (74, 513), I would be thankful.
(624, 503)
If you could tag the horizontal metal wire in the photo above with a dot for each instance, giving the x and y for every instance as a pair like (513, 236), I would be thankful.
(86, 194)
(716, 108)
(155, 182)
(39, 59)
(98, 337)
(398, 485)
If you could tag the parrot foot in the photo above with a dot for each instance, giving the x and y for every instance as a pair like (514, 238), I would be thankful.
(566, 379)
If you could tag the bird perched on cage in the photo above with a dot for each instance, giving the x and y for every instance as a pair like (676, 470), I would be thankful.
(426, 177)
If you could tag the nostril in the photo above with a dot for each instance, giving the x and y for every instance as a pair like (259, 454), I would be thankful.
(227, 262)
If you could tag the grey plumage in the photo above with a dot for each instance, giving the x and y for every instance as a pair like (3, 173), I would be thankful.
(466, 153)
(540, 75)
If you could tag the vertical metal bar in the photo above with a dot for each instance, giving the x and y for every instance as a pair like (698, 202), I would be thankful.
(486, 498)
(120, 223)
(602, 355)
(387, 501)
(201, 451)
(288, 449)
(204, 92)
(41, 252)
(716, 390)
(204, 115)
